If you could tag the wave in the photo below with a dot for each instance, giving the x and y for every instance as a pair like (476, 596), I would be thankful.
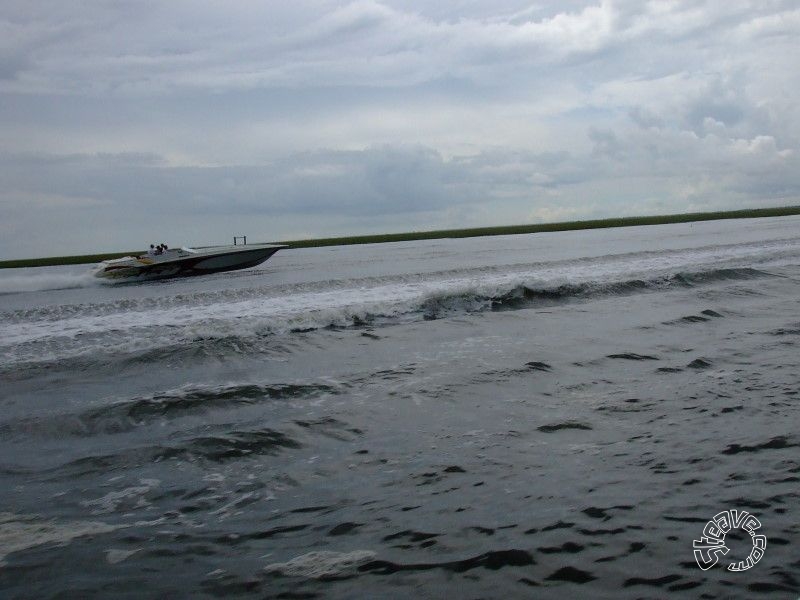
(219, 448)
(209, 443)
(253, 325)
(529, 296)
(126, 415)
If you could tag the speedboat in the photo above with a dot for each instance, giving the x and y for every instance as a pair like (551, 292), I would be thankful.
(187, 261)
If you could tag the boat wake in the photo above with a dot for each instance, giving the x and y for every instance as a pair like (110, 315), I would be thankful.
(38, 282)
(251, 325)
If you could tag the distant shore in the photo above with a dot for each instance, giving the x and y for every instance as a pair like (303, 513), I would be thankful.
(450, 233)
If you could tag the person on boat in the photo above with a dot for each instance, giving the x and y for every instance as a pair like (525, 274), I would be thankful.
(151, 251)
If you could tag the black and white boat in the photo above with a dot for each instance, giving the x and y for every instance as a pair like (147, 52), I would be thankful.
(187, 261)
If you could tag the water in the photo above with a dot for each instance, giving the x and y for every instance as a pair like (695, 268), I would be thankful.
(548, 415)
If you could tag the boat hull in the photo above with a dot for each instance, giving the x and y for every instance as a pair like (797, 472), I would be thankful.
(201, 263)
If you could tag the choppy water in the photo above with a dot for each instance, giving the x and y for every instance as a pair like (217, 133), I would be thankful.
(552, 415)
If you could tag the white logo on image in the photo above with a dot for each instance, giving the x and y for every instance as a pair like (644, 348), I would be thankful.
(708, 548)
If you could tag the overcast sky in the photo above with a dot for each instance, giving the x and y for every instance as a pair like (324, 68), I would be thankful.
(123, 123)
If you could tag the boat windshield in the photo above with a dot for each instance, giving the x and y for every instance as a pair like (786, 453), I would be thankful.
(188, 250)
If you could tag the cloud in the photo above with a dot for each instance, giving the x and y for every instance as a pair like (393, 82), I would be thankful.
(153, 47)
(324, 117)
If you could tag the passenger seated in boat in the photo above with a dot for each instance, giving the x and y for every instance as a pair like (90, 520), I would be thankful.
(151, 251)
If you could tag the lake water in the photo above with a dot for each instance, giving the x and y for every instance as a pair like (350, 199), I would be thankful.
(553, 415)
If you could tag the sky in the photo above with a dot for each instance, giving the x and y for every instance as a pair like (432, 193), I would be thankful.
(190, 121)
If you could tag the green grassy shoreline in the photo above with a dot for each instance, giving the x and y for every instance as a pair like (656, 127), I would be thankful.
(452, 233)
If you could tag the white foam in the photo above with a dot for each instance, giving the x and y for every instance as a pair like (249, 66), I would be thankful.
(20, 532)
(133, 496)
(323, 564)
(35, 281)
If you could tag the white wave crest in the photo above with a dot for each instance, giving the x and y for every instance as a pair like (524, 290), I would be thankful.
(323, 564)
